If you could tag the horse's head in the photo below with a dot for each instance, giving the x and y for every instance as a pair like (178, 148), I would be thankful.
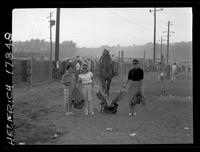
(105, 51)
(106, 58)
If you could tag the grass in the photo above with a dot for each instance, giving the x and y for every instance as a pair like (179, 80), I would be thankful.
(39, 114)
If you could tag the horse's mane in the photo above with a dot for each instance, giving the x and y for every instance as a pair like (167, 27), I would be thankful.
(106, 59)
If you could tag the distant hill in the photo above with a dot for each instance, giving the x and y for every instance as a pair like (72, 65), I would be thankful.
(23, 48)
(181, 51)
(177, 51)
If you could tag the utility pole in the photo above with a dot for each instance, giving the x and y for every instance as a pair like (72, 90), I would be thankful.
(168, 31)
(154, 37)
(168, 42)
(51, 23)
(161, 55)
(57, 38)
(161, 50)
(144, 61)
(119, 55)
(122, 67)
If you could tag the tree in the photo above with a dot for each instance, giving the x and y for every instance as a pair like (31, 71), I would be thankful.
(67, 49)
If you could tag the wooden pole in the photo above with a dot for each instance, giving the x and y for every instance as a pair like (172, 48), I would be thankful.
(57, 38)
(168, 43)
(31, 68)
(50, 48)
(154, 43)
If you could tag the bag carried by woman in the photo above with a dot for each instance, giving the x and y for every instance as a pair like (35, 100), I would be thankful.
(78, 101)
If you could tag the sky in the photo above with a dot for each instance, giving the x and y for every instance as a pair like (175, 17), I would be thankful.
(94, 27)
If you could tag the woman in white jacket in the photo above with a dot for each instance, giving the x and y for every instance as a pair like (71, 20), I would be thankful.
(86, 85)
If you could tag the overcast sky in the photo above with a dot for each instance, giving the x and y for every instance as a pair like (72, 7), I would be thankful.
(93, 27)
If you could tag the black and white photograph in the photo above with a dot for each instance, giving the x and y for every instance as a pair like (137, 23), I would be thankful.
(102, 76)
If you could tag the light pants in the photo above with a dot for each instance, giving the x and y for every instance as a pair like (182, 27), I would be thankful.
(87, 94)
(132, 91)
(173, 77)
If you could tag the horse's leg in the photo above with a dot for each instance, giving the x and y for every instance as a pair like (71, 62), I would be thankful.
(108, 86)
(103, 85)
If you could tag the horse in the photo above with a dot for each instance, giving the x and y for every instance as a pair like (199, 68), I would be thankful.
(106, 71)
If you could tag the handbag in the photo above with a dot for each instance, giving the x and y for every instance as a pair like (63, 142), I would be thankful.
(78, 104)
(78, 101)
(136, 98)
(67, 80)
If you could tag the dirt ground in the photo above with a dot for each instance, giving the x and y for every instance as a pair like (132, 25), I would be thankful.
(39, 115)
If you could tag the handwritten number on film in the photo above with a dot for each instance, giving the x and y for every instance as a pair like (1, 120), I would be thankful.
(9, 56)
(9, 95)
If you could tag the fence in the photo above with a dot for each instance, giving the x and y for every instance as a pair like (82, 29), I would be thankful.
(34, 69)
(125, 63)
(40, 69)
(20, 70)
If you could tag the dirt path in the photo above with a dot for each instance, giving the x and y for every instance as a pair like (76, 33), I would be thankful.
(39, 114)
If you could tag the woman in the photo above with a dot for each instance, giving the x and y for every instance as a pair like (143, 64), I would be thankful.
(135, 86)
(86, 85)
(69, 81)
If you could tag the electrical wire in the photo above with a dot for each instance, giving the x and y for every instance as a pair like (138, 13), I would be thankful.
(129, 21)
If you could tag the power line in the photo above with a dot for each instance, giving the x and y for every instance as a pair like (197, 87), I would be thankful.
(32, 29)
(20, 20)
(35, 29)
(129, 21)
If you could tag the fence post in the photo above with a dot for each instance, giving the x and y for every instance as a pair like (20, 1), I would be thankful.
(144, 62)
(186, 70)
(121, 67)
(31, 68)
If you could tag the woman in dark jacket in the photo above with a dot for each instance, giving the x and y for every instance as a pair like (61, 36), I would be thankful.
(135, 92)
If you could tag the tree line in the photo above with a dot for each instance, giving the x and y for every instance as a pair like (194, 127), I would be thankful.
(177, 51)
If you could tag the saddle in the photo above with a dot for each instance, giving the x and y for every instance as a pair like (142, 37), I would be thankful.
(112, 108)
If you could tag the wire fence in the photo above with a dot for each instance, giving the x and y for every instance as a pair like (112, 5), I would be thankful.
(34, 69)
(40, 69)
(125, 63)
(31, 69)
